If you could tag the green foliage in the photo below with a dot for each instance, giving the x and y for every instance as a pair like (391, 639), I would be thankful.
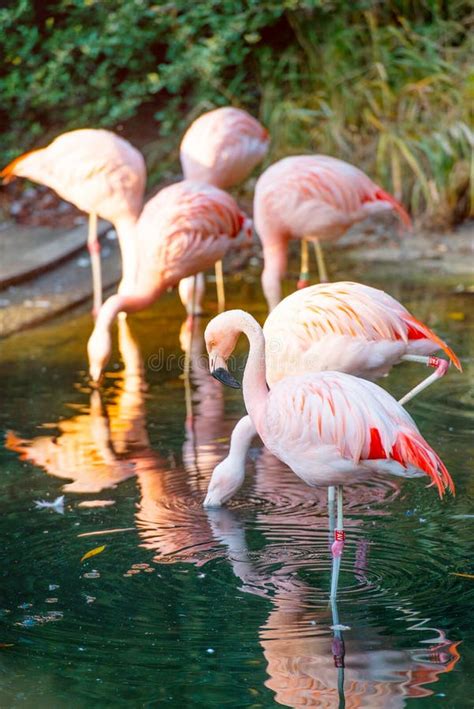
(384, 85)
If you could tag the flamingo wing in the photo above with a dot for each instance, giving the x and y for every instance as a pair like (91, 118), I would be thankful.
(354, 417)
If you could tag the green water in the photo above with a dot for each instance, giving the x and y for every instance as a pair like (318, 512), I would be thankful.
(188, 608)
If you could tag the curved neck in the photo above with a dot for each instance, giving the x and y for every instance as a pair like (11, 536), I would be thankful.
(254, 384)
(126, 228)
(120, 303)
(241, 439)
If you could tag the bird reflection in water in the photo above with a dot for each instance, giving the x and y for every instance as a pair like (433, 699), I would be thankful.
(311, 659)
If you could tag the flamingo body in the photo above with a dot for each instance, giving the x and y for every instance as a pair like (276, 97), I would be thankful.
(222, 147)
(346, 327)
(311, 196)
(333, 426)
(182, 230)
(328, 427)
(96, 170)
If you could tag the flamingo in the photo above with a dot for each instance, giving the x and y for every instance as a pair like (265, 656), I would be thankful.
(183, 230)
(313, 198)
(221, 147)
(345, 327)
(328, 427)
(101, 174)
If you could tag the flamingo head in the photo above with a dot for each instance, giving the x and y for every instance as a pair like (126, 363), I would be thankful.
(221, 336)
(226, 479)
(99, 348)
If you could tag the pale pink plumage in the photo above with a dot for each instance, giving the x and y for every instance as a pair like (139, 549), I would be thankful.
(222, 147)
(310, 196)
(328, 427)
(184, 229)
(96, 170)
(101, 174)
(345, 327)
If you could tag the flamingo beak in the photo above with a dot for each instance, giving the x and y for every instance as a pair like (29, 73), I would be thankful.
(219, 370)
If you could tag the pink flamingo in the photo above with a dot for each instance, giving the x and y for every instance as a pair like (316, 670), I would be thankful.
(330, 428)
(221, 147)
(345, 327)
(313, 198)
(101, 174)
(184, 229)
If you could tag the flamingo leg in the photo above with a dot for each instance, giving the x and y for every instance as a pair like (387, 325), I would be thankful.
(440, 366)
(339, 534)
(187, 360)
(303, 279)
(331, 518)
(338, 647)
(93, 246)
(323, 274)
(220, 287)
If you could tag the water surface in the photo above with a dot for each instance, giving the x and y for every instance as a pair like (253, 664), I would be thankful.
(188, 608)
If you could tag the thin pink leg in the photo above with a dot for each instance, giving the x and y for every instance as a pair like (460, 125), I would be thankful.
(339, 534)
(440, 366)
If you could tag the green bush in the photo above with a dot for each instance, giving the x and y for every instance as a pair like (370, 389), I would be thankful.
(384, 85)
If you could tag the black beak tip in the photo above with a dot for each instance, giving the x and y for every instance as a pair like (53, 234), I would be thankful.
(225, 377)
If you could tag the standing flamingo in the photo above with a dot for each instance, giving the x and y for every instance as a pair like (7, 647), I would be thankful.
(345, 327)
(328, 427)
(314, 198)
(221, 147)
(183, 230)
(101, 174)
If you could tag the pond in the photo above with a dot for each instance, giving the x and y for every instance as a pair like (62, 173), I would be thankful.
(185, 607)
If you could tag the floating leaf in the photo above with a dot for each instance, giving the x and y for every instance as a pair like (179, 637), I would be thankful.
(93, 552)
(457, 316)
(465, 576)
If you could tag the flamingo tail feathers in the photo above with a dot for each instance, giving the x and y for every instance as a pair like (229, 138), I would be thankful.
(10, 171)
(399, 208)
(417, 330)
(411, 449)
(15, 443)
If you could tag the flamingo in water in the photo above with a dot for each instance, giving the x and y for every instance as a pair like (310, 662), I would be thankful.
(313, 198)
(345, 327)
(101, 174)
(182, 230)
(330, 428)
(221, 147)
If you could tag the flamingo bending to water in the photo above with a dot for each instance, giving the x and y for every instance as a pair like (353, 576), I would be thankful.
(315, 198)
(328, 427)
(345, 327)
(221, 147)
(183, 230)
(101, 174)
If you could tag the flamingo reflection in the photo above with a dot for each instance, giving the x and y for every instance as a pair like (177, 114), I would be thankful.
(311, 660)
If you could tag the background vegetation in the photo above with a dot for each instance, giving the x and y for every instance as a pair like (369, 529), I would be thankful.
(382, 84)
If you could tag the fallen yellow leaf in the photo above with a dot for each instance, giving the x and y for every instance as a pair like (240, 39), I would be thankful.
(93, 552)
(465, 576)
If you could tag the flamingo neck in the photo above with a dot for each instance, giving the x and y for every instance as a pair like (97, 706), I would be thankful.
(119, 303)
(127, 233)
(254, 383)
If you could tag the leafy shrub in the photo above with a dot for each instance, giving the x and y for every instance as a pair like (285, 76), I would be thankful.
(384, 85)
